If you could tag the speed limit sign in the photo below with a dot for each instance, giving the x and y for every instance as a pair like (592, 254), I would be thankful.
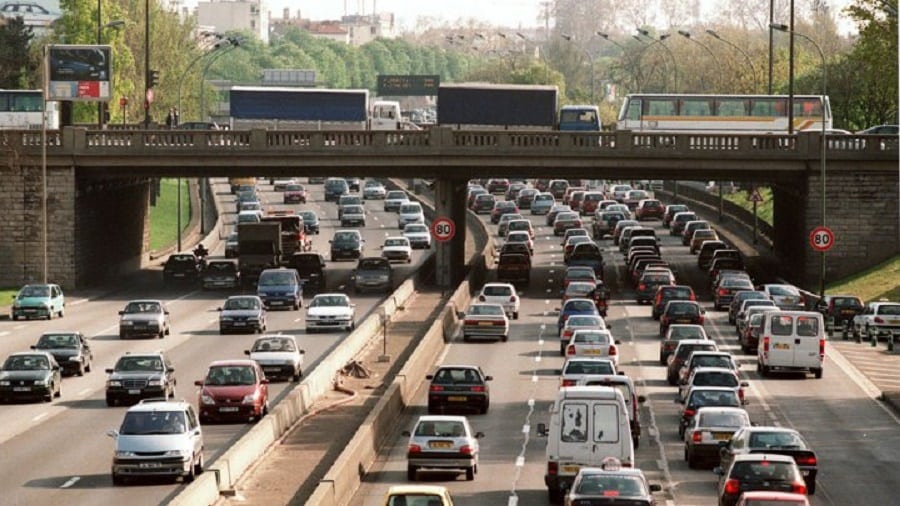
(443, 229)
(821, 239)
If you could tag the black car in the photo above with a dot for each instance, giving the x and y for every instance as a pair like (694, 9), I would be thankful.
(70, 349)
(346, 244)
(774, 441)
(242, 313)
(373, 273)
(140, 376)
(311, 269)
(758, 471)
(459, 387)
(334, 188)
(181, 267)
(221, 274)
(30, 375)
(310, 221)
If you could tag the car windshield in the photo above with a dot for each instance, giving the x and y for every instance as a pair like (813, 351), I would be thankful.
(686, 332)
(496, 291)
(589, 367)
(726, 398)
(138, 423)
(58, 341)
(273, 344)
(715, 379)
(276, 278)
(677, 310)
(712, 361)
(485, 310)
(462, 375)
(582, 337)
(143, 307)
(584, 321)
(440, 428)
(221, 266)
(26, 363)
(579, 305)
(329, 301)
(346, 237)
(715, 419)
(685, 351)
(415, 229)
(763, 471)
(309, 216)
(410, 209)
(353, 209)
(230, 375)
(133, 363)
(396, 242)
(610, 485)
(579, 289)
(396, 194)
(35, 291)
(373, 264)
(293, 188)
(242, 303)
(777, 440)
(520, 225)
(518, 237)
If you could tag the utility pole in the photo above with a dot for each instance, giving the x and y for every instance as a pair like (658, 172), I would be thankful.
(146, 63)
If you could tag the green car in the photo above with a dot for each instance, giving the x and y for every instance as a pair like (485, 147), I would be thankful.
(39, 301)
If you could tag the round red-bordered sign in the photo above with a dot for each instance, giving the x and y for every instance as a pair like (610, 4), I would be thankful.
(443, 229)
(821, 239)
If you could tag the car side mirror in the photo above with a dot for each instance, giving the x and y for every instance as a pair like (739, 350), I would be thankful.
(618, 341)
(718, 471)
(556, 309)
(655, 487)
(405, 433)
(198, 383)
(166, 311)
(429, 377)
(55, 368)
(542, 430)
(109, 371)
(641, 399)
(745, 384)
(479, 435)
(112, 433)
(218, 309)
(488, 378)
(247, 352)
(330, 241)
(678, 401)
(33, 347)
(264, 381)
(460, 315)
(121, 312)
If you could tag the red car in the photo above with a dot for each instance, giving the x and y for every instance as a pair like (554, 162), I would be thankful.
(234, 390)
(498, 185)
(294, 194)
(649, 209)
(483, 203)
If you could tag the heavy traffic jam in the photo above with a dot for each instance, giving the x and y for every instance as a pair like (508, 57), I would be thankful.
(610, 241)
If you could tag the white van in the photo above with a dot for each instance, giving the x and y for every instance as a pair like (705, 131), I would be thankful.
(385, 115)
(587, 425)
(791, 340)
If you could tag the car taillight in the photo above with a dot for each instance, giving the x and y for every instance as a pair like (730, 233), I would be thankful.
(552, 468)
(567, 333)
(700, 319)
(470, 322)
(466, 450)
(821, 348)
(766, 344)
(688, 413)
(512, 299)
(692, 297)
(570, 349)
(723, 291)
(565, 318)
(696, 436)
(435, 388)
(878, 319)
(481, 298)
(612, 350)
(741, 394)
(808, 460)
(568, 383)
(413, 449)
(477, 389)
(798, 487)
(499, 322)
(642, 286)
(732, 487)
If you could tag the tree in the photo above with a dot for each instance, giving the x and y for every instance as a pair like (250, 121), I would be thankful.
(875, 53)
(15, 66)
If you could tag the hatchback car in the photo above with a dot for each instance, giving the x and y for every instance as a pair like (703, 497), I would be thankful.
(346, 244)
(444, 443)
(648, 209)
(280, 288)
(158, 438)
(758, 471)
(139, 376)
(396, 249)
(70, 349)
(353, 215)
(330, 311)
(373, 274)
(458, 387)
(30, 375)
(504, 294)
(233, 390)
(144, 318)
(680, 311)
(482, 319)
(775, 441)
(242, 313)
(418, 234)
(38, 301)
(181, 267)
(709, 428)
(278, 355)
(334, 188)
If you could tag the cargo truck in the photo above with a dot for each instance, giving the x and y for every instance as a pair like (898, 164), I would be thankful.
(491, 106)
(298, 108)
(259, 248)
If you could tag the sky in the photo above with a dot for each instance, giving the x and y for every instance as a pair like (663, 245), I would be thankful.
(507, 13)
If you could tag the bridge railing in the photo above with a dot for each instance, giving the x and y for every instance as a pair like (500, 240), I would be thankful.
(440, 140)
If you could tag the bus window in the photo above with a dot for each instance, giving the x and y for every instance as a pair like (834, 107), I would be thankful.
(732, 107)
(695, 107)
(660, 107)
(634, 110)
(808, 107)
(769, 107)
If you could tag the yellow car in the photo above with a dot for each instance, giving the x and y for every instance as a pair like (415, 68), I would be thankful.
(417, 495)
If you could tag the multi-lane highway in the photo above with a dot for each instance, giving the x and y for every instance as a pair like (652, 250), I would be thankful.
(856, 439)
(58, 453)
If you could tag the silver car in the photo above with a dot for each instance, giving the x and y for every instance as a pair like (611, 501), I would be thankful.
(444, 443)
(485, 320)
(144, 318)
(786, 297)
(278, 355)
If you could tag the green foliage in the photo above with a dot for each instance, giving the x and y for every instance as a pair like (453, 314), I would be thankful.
(765, 210)
(879, 282)
(164, 215)
(15, 65)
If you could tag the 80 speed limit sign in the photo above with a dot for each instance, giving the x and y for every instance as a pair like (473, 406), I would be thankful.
(443, 229)
(821, 239)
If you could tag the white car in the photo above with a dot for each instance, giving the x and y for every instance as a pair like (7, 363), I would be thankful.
(577, 367)
(485, 320)
(280, 185)
(442, 443)
(394, 199)
(411, 212)
(374, 190)
(522, 237)
(576, 322)
(786, 297)
(418, 234)
(397, 249)
(593, 343)
(330, 311)
(877, 319)
(278, 355)
(503, 294)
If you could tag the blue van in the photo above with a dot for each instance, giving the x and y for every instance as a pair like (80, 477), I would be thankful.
(280, 288)
(579, 118)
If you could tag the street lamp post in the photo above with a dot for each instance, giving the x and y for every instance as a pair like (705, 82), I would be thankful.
(218, 45)
(100, 27)
(659, 41)
(590, 58)
(235, 42)
(624, 49)
(822, 141)
(687, 35)
(713, 34)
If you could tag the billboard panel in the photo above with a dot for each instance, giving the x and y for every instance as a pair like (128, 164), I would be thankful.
(79, 73)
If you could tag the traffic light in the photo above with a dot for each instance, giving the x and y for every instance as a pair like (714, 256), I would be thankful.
(153, 78)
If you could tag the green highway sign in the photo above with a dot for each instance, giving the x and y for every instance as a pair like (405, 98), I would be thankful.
(408, 85)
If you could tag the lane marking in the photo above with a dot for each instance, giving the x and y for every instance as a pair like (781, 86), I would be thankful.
(4, 333)
(39, 417)
(71, 482)
(84, 392)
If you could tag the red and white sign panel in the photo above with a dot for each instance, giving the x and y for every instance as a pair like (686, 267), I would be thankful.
(443, 229)
(78, 72)
(821, 239)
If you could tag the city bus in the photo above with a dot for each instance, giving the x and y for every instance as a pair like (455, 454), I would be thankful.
(681, 113)
(21, 110)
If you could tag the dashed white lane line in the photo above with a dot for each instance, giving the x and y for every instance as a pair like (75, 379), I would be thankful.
(71, 482)
(4, 333)
(39, 417)
(20, 326)
(84, 392)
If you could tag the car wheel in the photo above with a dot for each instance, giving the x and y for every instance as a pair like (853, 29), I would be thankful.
(765, 370)
(818, 373)
(118, 480)
(298, 375)
(192, 473)
(88, 365)
(62, 312)
(58, 391)
(465, 338)
(811, 487)
(111, 401)
(504, 338)
(515, 315)
(168, 330)
(162, 334)
(470, 473)
(80, 371)
(636, 441)
(15, 317)
(411, 473)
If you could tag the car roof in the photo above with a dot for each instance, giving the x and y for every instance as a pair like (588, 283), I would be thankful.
(160, 405)
(759, 457)
(441, 418)
(699, 370)
(145, 300)
(417, 489)
(507, 285)
(232, 362)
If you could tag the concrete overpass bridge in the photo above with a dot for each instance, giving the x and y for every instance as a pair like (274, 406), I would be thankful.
(98, 182)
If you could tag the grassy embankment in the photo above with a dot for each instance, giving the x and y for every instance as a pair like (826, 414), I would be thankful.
(164, 215)
(764, 209)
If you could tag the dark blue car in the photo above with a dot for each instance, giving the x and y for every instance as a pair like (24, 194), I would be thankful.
(575, 307)
(280, 288)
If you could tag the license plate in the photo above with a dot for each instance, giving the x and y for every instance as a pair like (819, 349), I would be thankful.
(457, 398)
(485, 324)
(782, 346)
(590, 351)
(179, 275)
(570, 469)
(275, 303)
(683, 320)
(271, 369)
(440, 444)
(228, 410)
(240, 324)
(21, 389)
(135, 391)
(805, 472)
(148, 465)
(721, 436)
(848, 311)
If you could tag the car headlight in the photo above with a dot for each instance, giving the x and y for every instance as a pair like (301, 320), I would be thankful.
(113, 383)
(45, 305)
(226, 319)
(4, 383)
(251, 398)
(156, 382)
(126, 323)
(75, 358)
(120, 453)
(177, 453)
(311, 317)
(44, 382)
(207, 399)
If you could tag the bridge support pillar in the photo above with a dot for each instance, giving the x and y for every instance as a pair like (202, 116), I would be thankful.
(450, 202)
